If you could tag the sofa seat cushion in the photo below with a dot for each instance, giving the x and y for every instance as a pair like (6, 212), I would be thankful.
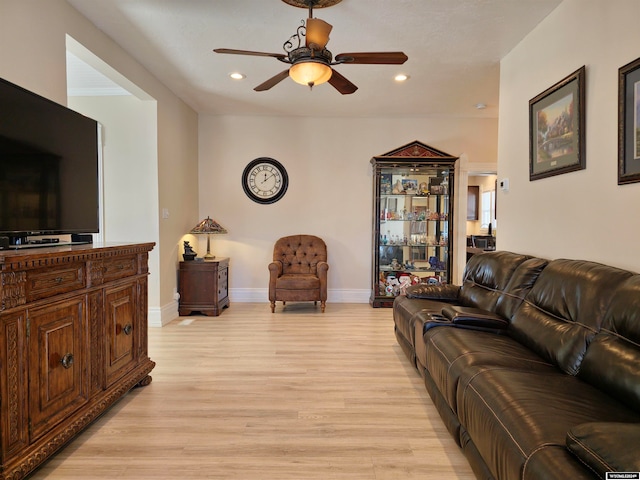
(297, 282)
(406, 312)
(448, 353)
(598, 445)
(512, 414)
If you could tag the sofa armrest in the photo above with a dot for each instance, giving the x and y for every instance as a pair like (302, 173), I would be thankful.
(443, 293)
(606, 447)
(474, 318)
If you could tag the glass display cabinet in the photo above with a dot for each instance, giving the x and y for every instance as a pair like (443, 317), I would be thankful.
(412, 220)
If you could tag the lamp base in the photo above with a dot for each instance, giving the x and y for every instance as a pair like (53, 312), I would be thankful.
(209, 256)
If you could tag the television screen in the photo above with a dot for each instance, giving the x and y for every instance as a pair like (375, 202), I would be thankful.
(48, 166)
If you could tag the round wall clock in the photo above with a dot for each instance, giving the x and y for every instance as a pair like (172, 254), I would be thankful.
(265, 180)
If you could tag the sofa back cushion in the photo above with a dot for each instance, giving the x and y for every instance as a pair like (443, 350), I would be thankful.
(564, 310)
(486, 276)
(519, 286)
(612, 361)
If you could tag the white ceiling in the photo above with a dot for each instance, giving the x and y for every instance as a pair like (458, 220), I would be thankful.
(454, 49)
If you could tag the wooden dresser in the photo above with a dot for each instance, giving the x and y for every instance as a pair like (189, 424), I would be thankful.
(73, 340)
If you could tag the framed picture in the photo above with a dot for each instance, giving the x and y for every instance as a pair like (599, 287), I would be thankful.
(556, 128)
(410, 185)
(629, 123)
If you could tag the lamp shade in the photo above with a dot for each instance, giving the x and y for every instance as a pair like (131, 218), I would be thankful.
(310, 72)
(208, 226)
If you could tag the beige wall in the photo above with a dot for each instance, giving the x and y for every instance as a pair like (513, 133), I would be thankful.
(583, 214)
(32, 54)
(327, 160)
(330, 192)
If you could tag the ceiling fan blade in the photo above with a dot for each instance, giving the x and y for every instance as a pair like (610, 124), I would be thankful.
(317, 32)
(382, 58)
(273, 81)
(249, 52)
(340, 83)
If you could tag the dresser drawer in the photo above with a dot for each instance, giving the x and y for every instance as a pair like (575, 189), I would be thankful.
(47, 282)
(120, 267)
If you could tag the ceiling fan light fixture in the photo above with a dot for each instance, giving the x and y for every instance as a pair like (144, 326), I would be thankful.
(310, 73)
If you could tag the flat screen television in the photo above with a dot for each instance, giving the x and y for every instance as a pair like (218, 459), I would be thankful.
(48, 168)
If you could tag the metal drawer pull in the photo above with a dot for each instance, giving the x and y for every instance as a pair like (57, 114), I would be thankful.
(127, 329)
(59, 280)
(67, 360)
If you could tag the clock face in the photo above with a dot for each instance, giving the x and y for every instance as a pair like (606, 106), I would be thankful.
(265, 180)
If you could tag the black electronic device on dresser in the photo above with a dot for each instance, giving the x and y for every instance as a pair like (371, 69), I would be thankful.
(48, 168)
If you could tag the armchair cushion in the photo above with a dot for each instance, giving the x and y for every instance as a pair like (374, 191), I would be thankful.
(300, 281)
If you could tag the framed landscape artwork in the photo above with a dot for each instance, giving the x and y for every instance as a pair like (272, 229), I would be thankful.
(556, 128)
(629, 123)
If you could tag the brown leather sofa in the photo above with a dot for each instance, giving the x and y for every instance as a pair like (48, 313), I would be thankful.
(298, 272)
(533, 365)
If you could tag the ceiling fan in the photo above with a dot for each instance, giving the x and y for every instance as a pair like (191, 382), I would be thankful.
(310, 60)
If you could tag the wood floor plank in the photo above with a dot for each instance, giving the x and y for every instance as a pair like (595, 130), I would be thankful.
(253, 395)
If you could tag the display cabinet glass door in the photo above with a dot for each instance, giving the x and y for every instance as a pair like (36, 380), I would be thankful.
(412, 224)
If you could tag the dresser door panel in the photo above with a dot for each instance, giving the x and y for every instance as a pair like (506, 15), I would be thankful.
(121, 320)
(58, 381)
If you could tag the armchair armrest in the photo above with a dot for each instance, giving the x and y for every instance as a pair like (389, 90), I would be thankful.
(275, 270)
(321, 270)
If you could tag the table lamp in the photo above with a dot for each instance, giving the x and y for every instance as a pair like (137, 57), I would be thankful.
(209, 227)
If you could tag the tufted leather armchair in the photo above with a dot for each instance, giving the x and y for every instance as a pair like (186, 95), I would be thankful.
(298, 271)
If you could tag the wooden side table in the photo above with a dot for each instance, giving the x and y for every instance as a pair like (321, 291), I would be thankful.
(203, 286)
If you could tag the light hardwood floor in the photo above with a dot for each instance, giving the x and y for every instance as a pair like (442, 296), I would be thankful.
(253, 395)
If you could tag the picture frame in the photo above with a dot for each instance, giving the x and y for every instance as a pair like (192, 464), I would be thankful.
(629, 123)
(557, 128)
(410, 185)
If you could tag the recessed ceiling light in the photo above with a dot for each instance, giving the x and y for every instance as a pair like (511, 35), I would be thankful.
(237, 76)
(481, 106)
(401, 77)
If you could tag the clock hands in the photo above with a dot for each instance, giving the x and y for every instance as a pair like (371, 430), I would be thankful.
(267, 177)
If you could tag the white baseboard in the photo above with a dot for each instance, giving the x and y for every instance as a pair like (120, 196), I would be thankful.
(161, 316)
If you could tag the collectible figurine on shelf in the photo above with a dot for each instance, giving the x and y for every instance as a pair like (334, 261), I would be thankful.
(405, 281)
